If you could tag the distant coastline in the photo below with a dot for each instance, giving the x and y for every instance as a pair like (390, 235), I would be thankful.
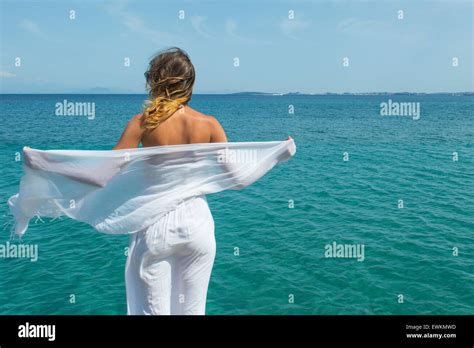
(351, 93)
(105, 91)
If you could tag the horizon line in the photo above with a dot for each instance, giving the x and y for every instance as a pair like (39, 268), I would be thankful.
(243, 93)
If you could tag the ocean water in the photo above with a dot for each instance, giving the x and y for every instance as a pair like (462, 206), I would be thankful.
(423, 251)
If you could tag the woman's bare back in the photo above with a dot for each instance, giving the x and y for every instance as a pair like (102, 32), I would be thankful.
(185, 126)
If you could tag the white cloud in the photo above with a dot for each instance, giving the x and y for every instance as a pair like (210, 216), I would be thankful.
(6, 74)
(293, 27)
(197, 23)
(136, 24)
(30, 26)
(377, 29)
(33, 28)
(231, 30)
(360, 26)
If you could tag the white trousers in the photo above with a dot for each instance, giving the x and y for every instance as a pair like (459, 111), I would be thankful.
(169, 263)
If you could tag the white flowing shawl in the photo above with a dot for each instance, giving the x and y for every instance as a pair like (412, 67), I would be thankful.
(125, 191)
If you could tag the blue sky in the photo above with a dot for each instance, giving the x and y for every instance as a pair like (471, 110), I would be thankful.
(276, 53)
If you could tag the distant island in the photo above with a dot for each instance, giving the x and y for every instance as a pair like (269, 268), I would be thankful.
(350, 93)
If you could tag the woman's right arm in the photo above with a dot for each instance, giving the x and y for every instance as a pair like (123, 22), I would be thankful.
(131, 136)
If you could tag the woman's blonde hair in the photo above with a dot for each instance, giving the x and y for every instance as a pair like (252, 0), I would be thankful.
(169, 79)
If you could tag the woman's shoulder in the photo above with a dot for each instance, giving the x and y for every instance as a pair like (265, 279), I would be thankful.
(217, 133)
(136, 118)
(135, 121)
(201, 116)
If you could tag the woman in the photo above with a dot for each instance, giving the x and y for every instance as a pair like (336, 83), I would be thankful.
(171, 277)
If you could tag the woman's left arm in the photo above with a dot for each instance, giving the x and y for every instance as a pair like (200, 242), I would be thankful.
(131, 136)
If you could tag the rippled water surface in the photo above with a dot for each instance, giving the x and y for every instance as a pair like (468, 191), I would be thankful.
(407, 251)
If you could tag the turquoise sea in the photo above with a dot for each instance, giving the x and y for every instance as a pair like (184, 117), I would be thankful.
(423, 251)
